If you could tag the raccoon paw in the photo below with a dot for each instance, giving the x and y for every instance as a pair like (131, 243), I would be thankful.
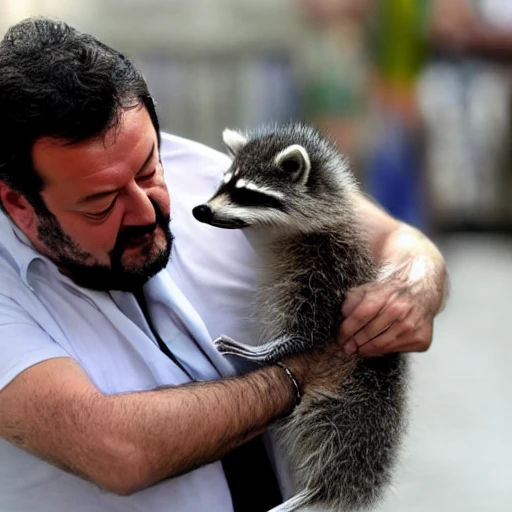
(229, 347)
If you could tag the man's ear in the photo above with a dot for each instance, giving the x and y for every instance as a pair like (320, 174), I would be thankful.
(17, 207)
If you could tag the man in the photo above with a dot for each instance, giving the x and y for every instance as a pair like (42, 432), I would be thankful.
(109, 382)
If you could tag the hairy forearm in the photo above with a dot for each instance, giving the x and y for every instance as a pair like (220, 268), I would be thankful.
(125, 442)
(179, 429)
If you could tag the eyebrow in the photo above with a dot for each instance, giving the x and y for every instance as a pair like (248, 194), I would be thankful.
(99, 195)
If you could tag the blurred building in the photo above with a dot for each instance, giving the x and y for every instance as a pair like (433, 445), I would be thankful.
(427, 137)
(210, 64)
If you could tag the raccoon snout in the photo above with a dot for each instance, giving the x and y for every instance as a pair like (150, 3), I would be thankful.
(203, 213)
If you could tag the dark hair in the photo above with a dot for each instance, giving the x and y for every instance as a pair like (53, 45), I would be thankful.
(56, 81)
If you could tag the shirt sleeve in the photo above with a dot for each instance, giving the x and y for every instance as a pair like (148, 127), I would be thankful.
(22, 342)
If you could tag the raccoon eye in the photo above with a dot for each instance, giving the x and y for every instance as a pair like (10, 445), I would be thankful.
(247, 197)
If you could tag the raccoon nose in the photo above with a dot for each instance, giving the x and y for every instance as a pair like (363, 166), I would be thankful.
(203, 213)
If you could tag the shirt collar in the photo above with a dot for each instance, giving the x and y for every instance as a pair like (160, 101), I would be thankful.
(18, 246)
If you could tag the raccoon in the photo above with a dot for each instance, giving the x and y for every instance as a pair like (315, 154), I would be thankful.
(293, 192)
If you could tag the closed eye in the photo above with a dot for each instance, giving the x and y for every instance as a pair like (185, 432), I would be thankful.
(146, 177)
(248, 197)
(103, 214)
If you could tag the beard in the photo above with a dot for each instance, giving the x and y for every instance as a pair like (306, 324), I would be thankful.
(75, 263)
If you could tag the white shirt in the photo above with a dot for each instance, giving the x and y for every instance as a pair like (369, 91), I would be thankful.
(203, 292)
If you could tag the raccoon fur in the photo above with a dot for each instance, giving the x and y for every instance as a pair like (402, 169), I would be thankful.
(292, 189)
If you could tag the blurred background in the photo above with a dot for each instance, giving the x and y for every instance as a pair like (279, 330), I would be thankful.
(418, 94)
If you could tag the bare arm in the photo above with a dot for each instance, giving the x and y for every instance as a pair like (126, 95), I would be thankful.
(129, 441)
(395, 313)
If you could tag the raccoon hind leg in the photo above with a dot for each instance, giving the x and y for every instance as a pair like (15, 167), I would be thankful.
(345, 446)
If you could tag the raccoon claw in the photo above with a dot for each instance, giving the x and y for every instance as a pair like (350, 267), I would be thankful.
(229, 347)
(224, 343)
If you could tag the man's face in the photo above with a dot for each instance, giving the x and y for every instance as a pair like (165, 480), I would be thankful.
(107, 224)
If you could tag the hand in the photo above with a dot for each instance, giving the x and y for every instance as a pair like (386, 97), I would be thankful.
(392, 315)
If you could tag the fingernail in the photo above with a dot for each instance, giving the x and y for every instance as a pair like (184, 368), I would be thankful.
(350, 347)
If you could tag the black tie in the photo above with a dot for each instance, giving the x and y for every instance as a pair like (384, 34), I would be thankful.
(251, 479)
(250, 476)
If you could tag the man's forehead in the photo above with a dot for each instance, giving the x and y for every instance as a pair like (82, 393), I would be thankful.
(48, 152)
(122, 147)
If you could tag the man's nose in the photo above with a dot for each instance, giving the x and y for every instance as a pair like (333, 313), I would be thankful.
(139, 211)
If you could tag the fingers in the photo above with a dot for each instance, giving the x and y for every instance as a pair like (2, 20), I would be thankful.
(354, 297)
(401, 337)
(383, 343)
(371, 317)
(359, 310)
(393, 318)
(381, 319)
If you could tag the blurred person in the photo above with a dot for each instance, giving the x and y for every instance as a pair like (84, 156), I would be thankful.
(466, 100)
(409, 147)
(391, 48)
(479, 29)
(327, 13)
(334, 72)
(112, 395)
(398, 49)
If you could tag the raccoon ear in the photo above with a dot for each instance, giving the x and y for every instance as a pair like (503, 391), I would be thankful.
(295, 160)
(234, 141)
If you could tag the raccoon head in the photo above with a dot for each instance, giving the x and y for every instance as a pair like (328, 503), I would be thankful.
(282, 179)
